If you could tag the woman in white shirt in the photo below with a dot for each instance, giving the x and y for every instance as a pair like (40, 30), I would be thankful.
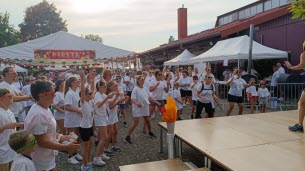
(86, 124)
(7, 127)
(59, 105)
(140, 98)
(237, 84)
(194, 86)
(101, 122)
(206, 94)
(73, 113)
(40, 121)
(112, 90)
(185, 87)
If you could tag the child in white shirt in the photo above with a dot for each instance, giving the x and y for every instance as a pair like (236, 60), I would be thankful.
(178, 100)
(23, 142)
(263, 96)
(251, 94)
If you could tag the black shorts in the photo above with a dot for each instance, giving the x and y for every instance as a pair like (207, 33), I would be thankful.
(129, 93)
(235, 99)
(194, 102)
(154, 104)
(186, 93)
(85, 133)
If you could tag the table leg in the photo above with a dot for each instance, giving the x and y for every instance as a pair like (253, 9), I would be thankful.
(161, 140)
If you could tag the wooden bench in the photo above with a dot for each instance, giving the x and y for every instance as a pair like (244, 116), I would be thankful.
(168, 165)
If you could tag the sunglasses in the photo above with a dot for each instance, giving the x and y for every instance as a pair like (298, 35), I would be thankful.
(7, 96)
(31, 143)
(51, 93)
(209, 77)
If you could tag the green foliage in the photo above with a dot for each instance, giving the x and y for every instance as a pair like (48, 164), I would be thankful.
(8, 35)
(93, 37)
(298, 9)
(41, 20)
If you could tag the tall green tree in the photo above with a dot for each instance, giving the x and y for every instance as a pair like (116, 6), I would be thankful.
(298, 9)
(93, 37)
(41, 20)
(8, 35)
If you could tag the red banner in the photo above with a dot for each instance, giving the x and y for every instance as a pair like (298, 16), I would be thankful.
(64, 54)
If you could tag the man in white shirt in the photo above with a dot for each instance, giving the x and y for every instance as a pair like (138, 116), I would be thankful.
(274, 80)
(281, 70)
(9, 74)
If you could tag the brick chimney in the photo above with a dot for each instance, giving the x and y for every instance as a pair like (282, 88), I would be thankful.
(182, 22)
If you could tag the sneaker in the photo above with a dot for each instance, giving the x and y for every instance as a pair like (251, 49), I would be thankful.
(72, 160)
(296, 128)
(116, 149)
(192, 116)
(78, 157)
(152, 135)
(104, 157)
(83, 168)
(128, 140)
(98, 161)
(108, 152)
(125, 124)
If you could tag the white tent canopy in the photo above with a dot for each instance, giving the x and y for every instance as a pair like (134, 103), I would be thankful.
(182, 59)
(60, 41)
(17, 68)
(237, 49)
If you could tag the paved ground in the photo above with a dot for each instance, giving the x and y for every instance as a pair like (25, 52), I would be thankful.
(143, 149)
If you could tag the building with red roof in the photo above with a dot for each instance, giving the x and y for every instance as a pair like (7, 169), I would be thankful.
(273, 28)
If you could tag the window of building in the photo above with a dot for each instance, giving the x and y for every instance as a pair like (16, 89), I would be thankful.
(253, 11)
(267, 5)
(220, 21)
(259, 8)
(235, 16)
(275, 3)
(247, 12)
(241, 14)
(284, 2)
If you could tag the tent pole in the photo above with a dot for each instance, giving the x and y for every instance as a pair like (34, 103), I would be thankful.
(238, 65)
(250, 48)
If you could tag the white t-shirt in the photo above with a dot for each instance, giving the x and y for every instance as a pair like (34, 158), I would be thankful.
(98, 98)
(157, 94)
(207, 93)
(6, 153)
(72, 119)
(274, 77)
(26, 90)
(263, 92)
(22, 163)
(237, 86)
(170, 90)
(252, 90)
(194, 91)
(16, 106)
(122, 89)
(87, 114)
(187, 80)
(18, 84)
(281, 70)
(177, 95)
(131, 83)
(41, 121)
(141, 95)
(59, 100)
(148, 81)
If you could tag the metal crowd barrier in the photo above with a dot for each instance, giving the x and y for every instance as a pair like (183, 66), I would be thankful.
(284, 96)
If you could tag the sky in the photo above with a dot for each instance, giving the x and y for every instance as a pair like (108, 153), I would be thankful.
(134, 25)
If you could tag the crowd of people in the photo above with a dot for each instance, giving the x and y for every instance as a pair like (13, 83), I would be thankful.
(79, 108)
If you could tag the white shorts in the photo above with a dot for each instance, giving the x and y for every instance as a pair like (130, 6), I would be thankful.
(101, 120)
(140, 112)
